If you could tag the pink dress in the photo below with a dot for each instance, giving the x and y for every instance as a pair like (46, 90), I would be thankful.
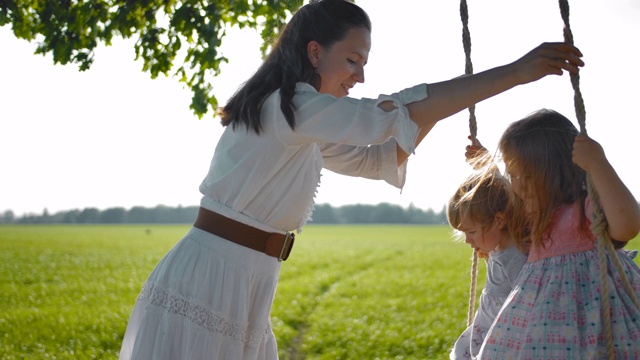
(555, 310)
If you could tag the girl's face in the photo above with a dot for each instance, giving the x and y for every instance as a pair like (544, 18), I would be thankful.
(522, 188)
(483, 238)
(341, 66)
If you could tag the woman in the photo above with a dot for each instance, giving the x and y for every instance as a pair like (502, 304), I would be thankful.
(211, 295)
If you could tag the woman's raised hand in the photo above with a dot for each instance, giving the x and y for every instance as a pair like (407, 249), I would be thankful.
(548, 59)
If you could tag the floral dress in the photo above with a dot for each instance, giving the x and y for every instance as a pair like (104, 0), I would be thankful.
(555, 310)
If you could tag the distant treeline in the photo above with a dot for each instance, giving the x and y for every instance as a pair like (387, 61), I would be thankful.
(383, 213)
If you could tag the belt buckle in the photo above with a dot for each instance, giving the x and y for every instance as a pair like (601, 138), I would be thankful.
(287, 245)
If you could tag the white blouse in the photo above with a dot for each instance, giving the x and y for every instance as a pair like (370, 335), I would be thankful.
(269, 181)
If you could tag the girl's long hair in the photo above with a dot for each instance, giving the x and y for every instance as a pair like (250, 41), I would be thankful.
(540, 147)
(325, 21)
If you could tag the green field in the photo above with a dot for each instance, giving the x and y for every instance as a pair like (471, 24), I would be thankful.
(347, 292)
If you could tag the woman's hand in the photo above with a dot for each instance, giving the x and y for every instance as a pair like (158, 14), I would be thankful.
(548, 59)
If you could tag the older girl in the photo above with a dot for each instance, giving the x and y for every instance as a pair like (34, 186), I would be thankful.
(556, 309)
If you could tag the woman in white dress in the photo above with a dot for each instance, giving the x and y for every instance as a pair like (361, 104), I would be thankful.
(211, 295)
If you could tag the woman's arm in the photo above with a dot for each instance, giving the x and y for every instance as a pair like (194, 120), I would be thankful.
(619, 205)
(402, 155)
(449, 97)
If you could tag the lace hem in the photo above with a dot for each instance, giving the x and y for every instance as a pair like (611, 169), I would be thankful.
(201, 316)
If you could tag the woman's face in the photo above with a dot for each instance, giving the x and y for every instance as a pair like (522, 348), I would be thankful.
(342, 65)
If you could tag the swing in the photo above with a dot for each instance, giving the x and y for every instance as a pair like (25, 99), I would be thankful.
(473, 128)
(604, 243)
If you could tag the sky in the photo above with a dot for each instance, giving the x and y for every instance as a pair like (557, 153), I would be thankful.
(113, 137)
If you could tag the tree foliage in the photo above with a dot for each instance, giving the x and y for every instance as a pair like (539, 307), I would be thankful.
(180, 38)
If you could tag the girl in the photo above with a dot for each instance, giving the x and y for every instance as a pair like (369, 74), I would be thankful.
(555, 311)
(211, 295)
(478, 210)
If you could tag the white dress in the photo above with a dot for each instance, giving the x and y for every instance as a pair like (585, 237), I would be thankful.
(503, 268)
(209, 298)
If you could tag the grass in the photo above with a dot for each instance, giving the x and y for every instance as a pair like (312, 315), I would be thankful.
(374, 292)
(347, 292)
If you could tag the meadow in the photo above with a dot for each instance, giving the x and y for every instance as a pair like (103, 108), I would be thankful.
(347, 292)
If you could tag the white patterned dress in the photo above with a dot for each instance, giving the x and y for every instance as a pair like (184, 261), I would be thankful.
(555, 310)
(209, 298)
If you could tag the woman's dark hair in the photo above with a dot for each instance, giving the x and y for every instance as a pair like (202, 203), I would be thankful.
(324, 21)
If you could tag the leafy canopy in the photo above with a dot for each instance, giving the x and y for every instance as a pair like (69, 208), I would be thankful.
(173, 37)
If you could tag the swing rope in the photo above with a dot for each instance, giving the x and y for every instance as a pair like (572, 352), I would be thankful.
(599, 222)
(472, 288)
(468, 66)
(578, 101)
(473, 128)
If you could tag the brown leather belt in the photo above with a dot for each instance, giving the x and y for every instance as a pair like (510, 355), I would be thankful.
(273, 244)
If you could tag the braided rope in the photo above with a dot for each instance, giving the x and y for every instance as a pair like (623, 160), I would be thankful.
(472, 289)
(599, 223)
(605, 245)
(575, 77)
(473, 128)
(468, 68)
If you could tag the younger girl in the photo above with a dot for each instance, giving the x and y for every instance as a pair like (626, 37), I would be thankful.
(478, 210)
(556, 310)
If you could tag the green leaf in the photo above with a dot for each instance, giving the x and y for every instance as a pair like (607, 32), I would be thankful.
(72, 29)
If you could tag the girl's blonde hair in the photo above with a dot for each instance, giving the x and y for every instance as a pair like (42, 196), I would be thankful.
(540, 148)
(480, 198)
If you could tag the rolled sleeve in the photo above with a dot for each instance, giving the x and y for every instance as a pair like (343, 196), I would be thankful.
(322, 118)
(391, 172)
(405, 129)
